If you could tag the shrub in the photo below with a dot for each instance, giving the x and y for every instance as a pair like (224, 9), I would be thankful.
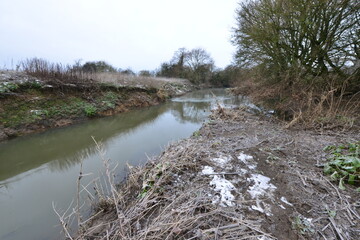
(90, 110)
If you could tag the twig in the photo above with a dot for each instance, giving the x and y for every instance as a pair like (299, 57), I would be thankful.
(336, 228)
(84, 188)
(337, 191)
(113, 191)
(324, 228)
(78, 215)
(255, 229)
(352, 211)
(240, 222)
(302, 179)
(322, 235)
(225, 173)
(93, 216)
(63, 223)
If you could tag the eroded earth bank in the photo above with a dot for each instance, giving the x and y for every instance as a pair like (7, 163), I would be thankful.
(29, 104)
(241, 176)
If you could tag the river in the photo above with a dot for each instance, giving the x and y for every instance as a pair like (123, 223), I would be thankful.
(40, 169)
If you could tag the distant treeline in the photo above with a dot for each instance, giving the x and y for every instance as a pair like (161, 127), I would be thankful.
(195, 65)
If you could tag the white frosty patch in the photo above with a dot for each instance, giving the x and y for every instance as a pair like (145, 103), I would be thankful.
(224, 187)
(221, 161)
(282, 206)
(207, 170)
(264, 238)
(243, 171)
(245, 159)
(216, 200)
(36, 112)
(266, 208)
(284, 200)
(256, 208)
(261, 185)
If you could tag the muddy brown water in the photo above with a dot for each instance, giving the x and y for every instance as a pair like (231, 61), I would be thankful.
(40, 169)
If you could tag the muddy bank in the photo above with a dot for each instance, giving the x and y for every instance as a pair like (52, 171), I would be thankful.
(29, 105)
(241, 176)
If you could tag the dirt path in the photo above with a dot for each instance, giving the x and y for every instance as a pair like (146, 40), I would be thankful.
(241, 176)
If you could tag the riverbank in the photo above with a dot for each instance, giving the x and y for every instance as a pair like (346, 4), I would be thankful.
(241, 176)
(29, 104)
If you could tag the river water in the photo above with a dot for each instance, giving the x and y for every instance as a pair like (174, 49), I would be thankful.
(41, 169)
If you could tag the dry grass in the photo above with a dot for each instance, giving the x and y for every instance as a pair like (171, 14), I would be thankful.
(157, 202)
(307, 105)
(120, 79)
(57, 74)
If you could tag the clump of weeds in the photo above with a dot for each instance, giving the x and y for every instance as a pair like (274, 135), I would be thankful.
(90, 110)
(303, 225)
(344, 164)
(8, 87)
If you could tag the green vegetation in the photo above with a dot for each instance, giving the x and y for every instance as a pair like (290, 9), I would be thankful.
(195, 65)
(90, 110)
(303, 225)
(109, 100)
(8, 87)
(145, 73)
(344, 164)
(97, 66)
(198, 66)
(29, 111)
(196, 133)
(40, 106)
(149, 182)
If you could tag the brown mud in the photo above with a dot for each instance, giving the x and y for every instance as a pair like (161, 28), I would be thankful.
(242, 176)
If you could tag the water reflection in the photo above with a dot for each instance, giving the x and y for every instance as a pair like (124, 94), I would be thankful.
(49, 161)
(64, 148)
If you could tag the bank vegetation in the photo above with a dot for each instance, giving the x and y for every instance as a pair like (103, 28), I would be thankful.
(43, 95)
(302, 58)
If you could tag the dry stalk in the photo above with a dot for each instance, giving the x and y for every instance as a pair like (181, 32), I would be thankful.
(78, 215)
(63, 221)
(297, 118)
(108, 172)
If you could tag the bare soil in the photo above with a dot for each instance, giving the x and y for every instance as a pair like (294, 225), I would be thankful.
(173, 197)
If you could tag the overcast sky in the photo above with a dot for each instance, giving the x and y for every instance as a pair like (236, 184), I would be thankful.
(136, 34)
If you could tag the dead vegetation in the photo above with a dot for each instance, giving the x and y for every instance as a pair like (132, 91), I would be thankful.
(172, 197)
(59, 75)
(157, 202)
(310, 106)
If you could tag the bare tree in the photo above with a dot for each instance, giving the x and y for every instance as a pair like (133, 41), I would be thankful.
(196, 65)
(310, 35)
(200, 65)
